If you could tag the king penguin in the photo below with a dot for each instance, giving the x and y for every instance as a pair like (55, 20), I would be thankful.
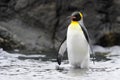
(77, 43)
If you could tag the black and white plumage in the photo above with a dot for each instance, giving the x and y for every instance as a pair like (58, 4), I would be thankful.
(77, 43)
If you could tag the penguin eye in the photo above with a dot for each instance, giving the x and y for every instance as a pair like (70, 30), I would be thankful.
(77, 17)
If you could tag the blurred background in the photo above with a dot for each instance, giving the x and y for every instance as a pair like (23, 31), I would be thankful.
(40, 25)
(36, 29)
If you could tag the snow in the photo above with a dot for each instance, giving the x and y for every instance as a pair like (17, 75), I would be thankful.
(13, 68)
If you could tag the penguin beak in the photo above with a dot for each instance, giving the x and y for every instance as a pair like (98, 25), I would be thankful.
(71, 17)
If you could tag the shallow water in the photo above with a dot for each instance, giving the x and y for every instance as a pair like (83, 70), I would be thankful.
(41, 67)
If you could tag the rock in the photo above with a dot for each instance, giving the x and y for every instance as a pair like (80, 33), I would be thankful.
(20, 4)
(99, 56)
(109, 39)
(118, 19)
(41, 25)
(7, 41)
(117, 2)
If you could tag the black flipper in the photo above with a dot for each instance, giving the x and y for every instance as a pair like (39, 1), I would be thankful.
(88, 40)
(61, 51)
(59, 59)
(85, 33)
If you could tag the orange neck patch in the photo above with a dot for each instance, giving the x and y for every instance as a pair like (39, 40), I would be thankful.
(74, 25)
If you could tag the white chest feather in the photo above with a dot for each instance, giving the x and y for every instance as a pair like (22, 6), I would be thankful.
(77, 47)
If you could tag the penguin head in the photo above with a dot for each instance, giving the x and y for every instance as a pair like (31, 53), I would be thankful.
(76, 16)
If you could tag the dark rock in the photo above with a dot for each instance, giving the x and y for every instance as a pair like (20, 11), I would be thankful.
(118, 19)
(101, 56)
(42, 24)
(109, 39)
(20, 4)
(7, 41)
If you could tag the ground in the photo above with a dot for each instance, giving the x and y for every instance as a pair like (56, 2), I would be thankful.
(38, 67)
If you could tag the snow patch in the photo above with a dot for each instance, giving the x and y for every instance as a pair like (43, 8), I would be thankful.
(12, 68)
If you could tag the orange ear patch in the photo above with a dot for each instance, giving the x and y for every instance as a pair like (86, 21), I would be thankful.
(81, 14)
